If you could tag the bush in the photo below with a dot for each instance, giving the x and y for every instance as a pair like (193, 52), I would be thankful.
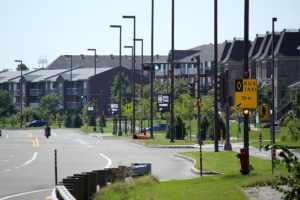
(211, 128)
(58, 118)
(287, 120)
(76, 121)
(92, 121)
(31, 118)
(104, 121)
(51, 120)
(179, 133)
(204, 127)
(67, 122)
(13, 121)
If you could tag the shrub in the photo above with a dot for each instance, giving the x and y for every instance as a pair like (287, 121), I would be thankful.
(3, 119)
(211, 128)
(31, 118)
(92, 121)
(204, 127)
(13, 121)
(76, 121)
(58, 118)
(67, 121)
(179, 133)
(293, 130)
(287, 120)
(51, 120)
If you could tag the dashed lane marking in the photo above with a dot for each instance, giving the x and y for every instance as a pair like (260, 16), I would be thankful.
(85, 143)
(30, 192)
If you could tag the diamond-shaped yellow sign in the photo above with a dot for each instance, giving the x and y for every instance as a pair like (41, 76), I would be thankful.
(245, 93)
(128, 107)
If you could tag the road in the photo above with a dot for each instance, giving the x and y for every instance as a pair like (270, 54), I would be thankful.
(27, 160)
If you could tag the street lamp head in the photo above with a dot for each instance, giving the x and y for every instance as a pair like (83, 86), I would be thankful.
(82, 56)
(128, 16)
(298, 48)
(138, 39)
(128, 46)
(274, 19)
(192, 58)
(91, 49)
(115, 26)
(67, 56)
(18, 60)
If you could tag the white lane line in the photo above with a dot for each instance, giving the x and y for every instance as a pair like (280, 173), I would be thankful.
(16, 195)
(109, 161)
(33, 158)
(85, 143)
(52, 133)
(8, 170)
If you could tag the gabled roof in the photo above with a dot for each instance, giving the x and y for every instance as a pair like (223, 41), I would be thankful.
(295, 85)
(236, 51)
(180, 54)
(83, 74)
(262, 47)
(287, 44)
(224, 50)
(104, 61)
(256, 45)
(268, 51)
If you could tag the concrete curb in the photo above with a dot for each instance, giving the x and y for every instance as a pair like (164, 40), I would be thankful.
(193, 169)
(147, 145)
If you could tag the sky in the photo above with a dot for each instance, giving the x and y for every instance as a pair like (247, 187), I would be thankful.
(31, 29)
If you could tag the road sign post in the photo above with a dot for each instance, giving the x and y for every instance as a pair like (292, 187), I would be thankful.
(163, 103)
(264, 112)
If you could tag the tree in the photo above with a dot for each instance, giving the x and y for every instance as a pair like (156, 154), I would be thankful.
(125, 89)
(50, 102)
(29, 112)
(211, 128)
(24, 67)
(262, 95)
(6, 104)
(238, 113)
(293, 131)
(76, 121)
(179, 130)
(207, 108)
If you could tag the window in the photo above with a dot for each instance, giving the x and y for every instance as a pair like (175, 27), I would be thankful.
(208, 64)
(282, 72)
(192, 66)
(170, 67)
(282, 93)
(208, 80)
(60, 91)
(46, 92)
(191, 80)
(162, 66)
(23, 94)
(84, 87)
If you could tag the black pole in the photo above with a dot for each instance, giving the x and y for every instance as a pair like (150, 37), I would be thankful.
(227, 144)
(55, 165)
(172, 78)
(272, 78)
(95, 92)
(200, 141)
(71, 95)
(134, 75)
(101, 114)
(21, 88)
(215, 76)
(120, 80)
(151, 71)
(246, 39)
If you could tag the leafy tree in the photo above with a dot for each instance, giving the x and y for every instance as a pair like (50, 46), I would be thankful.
(204, 127)
(293, 131)
(51, 119)
(28, 111)
(125, 89)
(85, 108)
(6, 104)
(3, 119)
(24, 67)
(207, 108)
(50, 102)
(67, 121)
(92, 121)
(262, 95)
(30, 118)
(13, 121)
(238, 113)
(292, 180)
(58, 118)
(45, 114)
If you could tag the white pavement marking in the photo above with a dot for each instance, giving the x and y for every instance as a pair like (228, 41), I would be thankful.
(8, 170)
(52, 133)
(109, 161)
(85, 143)
(16, 195)
(33, 158)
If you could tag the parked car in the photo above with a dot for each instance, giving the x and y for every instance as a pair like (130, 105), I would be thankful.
(158, 127)
(36, 123)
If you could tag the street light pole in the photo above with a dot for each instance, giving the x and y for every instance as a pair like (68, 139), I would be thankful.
(151, 71)
(215, 74)
(131, 47)
(142, 48)
(21, 93)
(101, 114)
(120, 80)
(67, 58)
(94, 88)
(172, 79)
(274, 19)
(133, 102)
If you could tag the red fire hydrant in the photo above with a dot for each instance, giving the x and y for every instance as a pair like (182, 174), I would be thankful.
(244, 161)
(144, 131)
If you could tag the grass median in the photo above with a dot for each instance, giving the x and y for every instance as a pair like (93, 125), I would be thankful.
(224, 186)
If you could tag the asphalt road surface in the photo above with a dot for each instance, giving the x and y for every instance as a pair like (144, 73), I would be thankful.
(27, 160)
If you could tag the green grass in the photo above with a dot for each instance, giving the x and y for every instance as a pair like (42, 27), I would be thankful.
(224, 186)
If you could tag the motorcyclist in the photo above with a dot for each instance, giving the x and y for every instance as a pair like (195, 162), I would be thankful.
(47, 131)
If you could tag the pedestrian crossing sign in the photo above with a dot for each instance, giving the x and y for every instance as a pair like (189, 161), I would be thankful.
(264, 112)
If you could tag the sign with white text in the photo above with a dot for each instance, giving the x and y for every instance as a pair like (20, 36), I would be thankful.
(245, 93)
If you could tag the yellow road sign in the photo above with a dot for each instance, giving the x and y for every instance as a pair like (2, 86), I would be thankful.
(128, 107)
(245, 93)
(264, 113)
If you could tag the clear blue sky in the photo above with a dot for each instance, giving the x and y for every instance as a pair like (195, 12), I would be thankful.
(34, 28)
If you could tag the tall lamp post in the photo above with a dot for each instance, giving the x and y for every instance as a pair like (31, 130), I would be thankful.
(133, 102)
(67, 58)
(94, 87)
(274, 19)
(172, 78)
(120, 80)
(21, 101)
(142, 48)
(132, 67)
(101, 114)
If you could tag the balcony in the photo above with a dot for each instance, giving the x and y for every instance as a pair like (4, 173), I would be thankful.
(16, 92)
(34, 105)
(74, 90)
(75, 105)
(192, 71)
(188, 71)
(53, 91)
(35, 92)
(161, 72)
